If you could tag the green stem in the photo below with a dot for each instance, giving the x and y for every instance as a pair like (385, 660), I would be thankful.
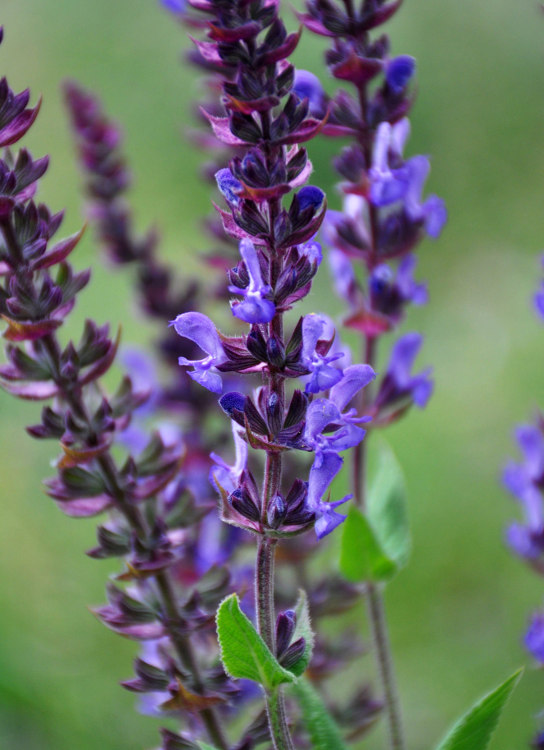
(266, 621)
(384, 660)
(264, 591)
(264, 566)
(374, 596)
(275, 709)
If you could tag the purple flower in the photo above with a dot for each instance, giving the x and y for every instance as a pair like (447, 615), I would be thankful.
(322, 473)
(310, 197)
(255, 308)
(216, 542)
(199, 328)
(347, 230)
(433, 211)
(389, 185)
(308, 86)
(354, 379)
(143, 374)
(539, 297)
(224, 475)
(229, 187)
(343, 275)
(525, 541)
(404, 181)
(399, 383)
(313, 251)
(154, 653)
(323, 374)
(327, 413)
(534, 637)
(410, 290)
(141, 369)
(390, 293)
(175, 6)
(523, 481)
(398, 72)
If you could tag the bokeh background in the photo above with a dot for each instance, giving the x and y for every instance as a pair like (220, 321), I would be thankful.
(458, 611)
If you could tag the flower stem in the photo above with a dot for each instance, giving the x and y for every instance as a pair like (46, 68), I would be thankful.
(384, 660)
(374, 596)
(264, 590)
(264, 595)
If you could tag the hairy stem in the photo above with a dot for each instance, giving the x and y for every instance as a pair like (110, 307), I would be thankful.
(264, 595)
(264, 591)
(275, 709)
(264, 568)
(384, 660)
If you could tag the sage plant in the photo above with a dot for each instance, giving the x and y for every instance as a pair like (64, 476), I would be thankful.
(279, 258)
(384, 218)
(107, 179)
(294, 401)
(160, 294)
(167, 601)
(525, 481)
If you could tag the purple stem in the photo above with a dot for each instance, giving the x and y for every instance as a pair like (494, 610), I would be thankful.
(264, 571)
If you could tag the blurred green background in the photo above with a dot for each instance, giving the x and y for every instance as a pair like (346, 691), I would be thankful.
(458, 611)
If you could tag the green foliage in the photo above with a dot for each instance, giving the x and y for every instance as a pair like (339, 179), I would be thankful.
(387, 511)
(303, 629)
(243, 651)
(361, 556)
(205, 746)
(376, 546)
(323, 730)
(473, 731)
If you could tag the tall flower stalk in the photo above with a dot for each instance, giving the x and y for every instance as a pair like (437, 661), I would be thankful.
(267, 121)
(383, 219)
(106, 176)
(328, 593)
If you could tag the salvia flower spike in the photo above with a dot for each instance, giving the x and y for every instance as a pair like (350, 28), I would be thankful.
(274, 217)
(384, 216)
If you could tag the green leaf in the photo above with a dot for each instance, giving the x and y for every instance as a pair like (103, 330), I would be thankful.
(243, 651)
(473, 731)
(361, 557)
(303, 629)
(387, 512)
(205, 746)
(323, 730)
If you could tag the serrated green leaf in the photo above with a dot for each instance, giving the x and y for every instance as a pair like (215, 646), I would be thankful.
(387, 513)
(243, 651)
(473, 731)
(303, 629)
(322, 728)
(361, 557)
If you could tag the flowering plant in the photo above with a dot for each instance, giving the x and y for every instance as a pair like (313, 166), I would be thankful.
(188, 508)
